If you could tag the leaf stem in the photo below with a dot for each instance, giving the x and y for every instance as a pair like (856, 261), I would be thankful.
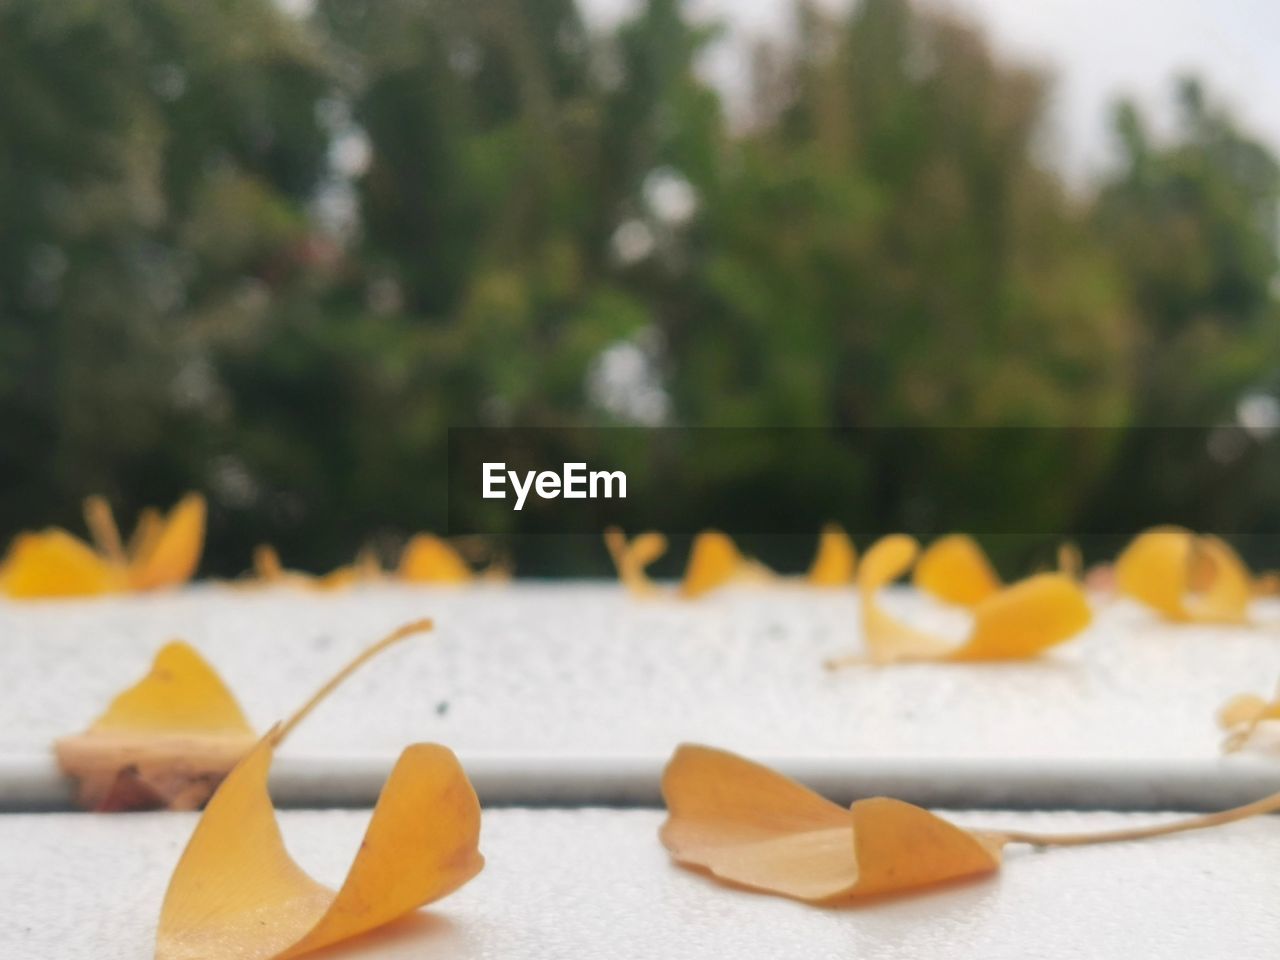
(400, 633)
(1267, 804)
(103, 530)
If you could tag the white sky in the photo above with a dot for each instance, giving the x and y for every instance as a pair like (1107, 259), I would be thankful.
(1097, 49)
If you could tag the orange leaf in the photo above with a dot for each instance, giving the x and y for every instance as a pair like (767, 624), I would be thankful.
(755, 828)
(631, 558)
(167, 554)
(268, 569)
(714, 561)
(165, 742)
(237, 892)
(1184, 577)
(836, 560)
(954, 569)
(1020, 621)
(428, 559)
(53, 563)
(1242, 714)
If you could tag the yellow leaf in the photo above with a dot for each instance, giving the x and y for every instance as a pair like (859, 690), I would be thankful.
(752, 827)
(166, 741)
(167, 554)
(268, 569)
(632, 558)
(1242, 714)
(429, 559)
(955, 570)
(1020, 621)
(53, 563)
(715, 561)
(236, 892)
(1184, 577)
(836, 560)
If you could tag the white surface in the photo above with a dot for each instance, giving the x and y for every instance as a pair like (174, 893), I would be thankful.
(566, 885)
(586, 670)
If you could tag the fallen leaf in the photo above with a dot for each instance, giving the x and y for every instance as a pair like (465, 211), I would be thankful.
(268, 570)
(1242, 715)
(236, 892)
(836, 560)
(53, 563)
(167, 741)
(163, 552)
(750, 826)
(714, 562)
(429, 559)
(170, 739)
(1020, 621)
(955, 570)
(1185, 577)
(632, 557)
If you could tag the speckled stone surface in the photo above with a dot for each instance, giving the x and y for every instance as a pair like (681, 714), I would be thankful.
(585, 670)
(563, 885)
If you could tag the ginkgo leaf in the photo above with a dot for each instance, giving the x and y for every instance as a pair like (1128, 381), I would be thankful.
(714, 562)
(1242, 715)
(53, 563)
(755, 828)
(836, 561)
(1184, 577)
(236, 892)
(165, 742)
(165, 553)
(752, 827)
(955, 569)
(632, 557)
(429, 559)
(1020, 621)
(269, 570)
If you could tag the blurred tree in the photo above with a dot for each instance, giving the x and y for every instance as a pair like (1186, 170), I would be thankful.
(276, 257)
(156, 158)
(1192, 224)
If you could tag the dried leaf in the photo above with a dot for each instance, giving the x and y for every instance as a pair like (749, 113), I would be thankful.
(236, 891)
(955, 570)
(632, 558)
(167, 741)
(752, 827)
(836, 560)
(1020, 621)
(1184, 577)
(269, 570)
(714, 562)
(429, 559)
(1242, 715)
(162, 553)
(167, 554)
(53, 563)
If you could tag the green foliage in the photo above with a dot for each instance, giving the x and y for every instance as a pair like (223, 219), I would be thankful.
(277, 258)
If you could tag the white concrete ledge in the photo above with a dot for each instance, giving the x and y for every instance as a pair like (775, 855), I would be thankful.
(35, 784)
(581, 885)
